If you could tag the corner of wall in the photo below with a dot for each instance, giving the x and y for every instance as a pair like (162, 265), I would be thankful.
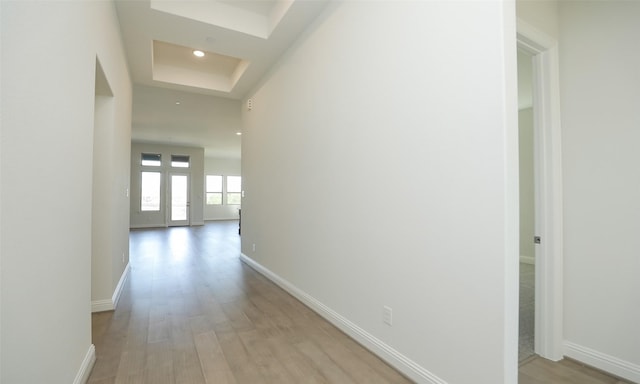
(387, 353)
(111, 304)
(607, 363)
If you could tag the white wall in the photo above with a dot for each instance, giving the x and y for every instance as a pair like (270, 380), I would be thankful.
(525, 78)
(599, 90)
(527, 193)
(141, 219)
(49, 52)
(526, 145)
(1, 122)
(224, 167)
(543, 14)
(380, 168)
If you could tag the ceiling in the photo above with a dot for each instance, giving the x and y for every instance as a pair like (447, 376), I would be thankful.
(167, 116)
(241, 40)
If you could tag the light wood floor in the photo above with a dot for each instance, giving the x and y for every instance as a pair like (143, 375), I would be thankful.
(191, 312)
(540, 371)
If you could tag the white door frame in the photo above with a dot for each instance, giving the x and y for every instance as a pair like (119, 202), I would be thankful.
(548, 181)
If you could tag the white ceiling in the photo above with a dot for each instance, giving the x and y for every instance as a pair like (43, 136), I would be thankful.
(242, 39)
(198, 120)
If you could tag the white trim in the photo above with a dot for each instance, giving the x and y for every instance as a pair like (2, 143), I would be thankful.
(549, 222)
(405, 365)
(527, 259)
(111, 304)
(607, 363)
(87, 365)
(511, 203)
(101, 305)
(145, 226)
(151, 226)
(116, 294)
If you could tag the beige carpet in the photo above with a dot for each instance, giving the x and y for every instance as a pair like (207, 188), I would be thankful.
(527, 308)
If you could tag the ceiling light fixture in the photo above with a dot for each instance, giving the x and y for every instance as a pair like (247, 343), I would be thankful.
(177, 103)
(239, 133)
(198, 53)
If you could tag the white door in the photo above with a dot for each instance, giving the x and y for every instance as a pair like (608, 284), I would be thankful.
(179, 200)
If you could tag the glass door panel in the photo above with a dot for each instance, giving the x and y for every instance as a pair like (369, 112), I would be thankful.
(179, 214)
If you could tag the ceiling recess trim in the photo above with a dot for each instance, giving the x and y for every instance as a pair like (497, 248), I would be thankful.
(229, 15)
(176, 64)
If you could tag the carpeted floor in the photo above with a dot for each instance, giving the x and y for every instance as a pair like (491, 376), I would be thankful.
(527, 308)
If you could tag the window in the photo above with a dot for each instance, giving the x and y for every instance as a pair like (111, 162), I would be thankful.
(214, 190)
(150, 191)
(180, 161)
(151, 159)
(234, 190)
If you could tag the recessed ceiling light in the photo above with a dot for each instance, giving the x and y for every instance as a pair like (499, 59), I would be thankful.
(239, 133)
(198, 53)
(177, 103)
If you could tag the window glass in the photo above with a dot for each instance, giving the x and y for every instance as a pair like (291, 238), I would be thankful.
(180, 161)
(151, 159)
(150, 191)
(214, 189)
(234, 190)
(179, 197)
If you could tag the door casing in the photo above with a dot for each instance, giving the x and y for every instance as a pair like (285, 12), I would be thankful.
(548, 189)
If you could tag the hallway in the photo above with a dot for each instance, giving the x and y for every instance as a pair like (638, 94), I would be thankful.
(192, 312)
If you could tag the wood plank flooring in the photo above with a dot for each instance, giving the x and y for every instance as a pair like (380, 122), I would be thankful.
(540, 371)
(191, 312)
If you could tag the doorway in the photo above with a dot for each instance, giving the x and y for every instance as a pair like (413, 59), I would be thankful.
(547, 190)
(178, 199)
(526, 331)
(103, 248)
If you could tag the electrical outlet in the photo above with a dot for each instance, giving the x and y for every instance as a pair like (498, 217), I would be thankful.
(254, 247)
(387, 315)
(122, 257)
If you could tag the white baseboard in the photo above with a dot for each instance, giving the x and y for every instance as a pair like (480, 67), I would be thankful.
(147, 226)
(610, 364)
(527, 259)
(87, 365)
(102, 305)
(402, 363)
(152, 226)
(118, 291)
(111, 304)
